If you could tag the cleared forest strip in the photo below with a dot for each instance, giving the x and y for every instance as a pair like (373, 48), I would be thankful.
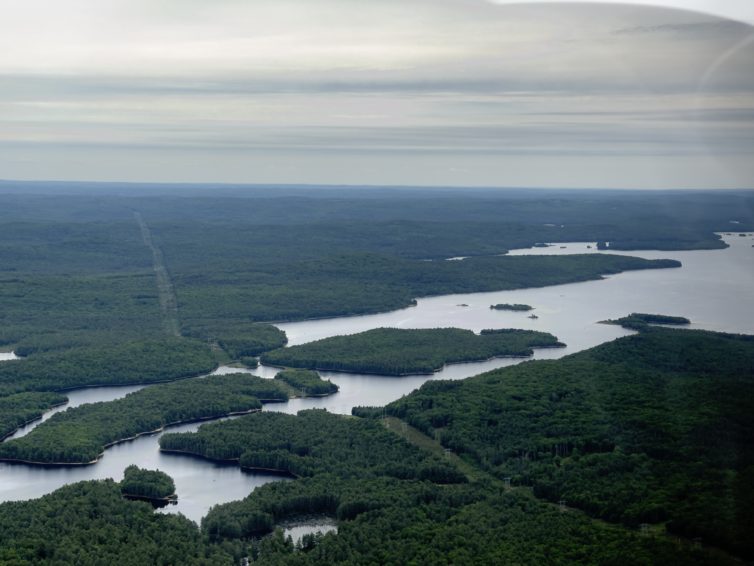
(168, 300)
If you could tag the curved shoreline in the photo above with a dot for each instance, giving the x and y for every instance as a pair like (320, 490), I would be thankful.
(100, 386)
(35, 419)
(415, 300)
(434, 371)
(137, 383)
(230, 461)
(122, 440)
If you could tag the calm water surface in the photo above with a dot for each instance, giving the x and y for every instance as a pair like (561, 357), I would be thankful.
(713, 289)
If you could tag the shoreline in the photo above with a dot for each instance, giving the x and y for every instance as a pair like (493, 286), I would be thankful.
(230, 461)
(433, 372)
(415, 300)
(35, 419)
(146, 433)
(122, 440)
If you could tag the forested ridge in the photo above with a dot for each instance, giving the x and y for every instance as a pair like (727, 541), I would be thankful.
(357, 472)
(396, 351)
(652, 428)
(311, 443)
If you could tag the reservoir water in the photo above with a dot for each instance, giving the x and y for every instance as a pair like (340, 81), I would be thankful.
(713, 289)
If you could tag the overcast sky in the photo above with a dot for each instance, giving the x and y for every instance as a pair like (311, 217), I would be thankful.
(418, 92)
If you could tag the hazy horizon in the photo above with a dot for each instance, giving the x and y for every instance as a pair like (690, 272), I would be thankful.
(416, 93)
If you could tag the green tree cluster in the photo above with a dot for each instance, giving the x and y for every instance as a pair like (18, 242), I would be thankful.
(396, 351)
(308, 382)
(79, 435)
(150, 484)
(651, 428)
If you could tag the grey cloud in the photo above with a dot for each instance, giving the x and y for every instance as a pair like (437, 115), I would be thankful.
(545, 138)
(721, 28)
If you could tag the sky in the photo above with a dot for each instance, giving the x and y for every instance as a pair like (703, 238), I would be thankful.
(376, 92)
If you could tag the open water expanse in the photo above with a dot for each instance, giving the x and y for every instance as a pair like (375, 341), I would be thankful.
(713, 289)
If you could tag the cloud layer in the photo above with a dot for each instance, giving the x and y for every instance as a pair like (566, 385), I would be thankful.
(457, 92)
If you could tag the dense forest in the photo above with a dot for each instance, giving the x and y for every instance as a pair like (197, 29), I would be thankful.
(369, 480)
(653, 428)
(627, 433)
(90, 523)
(307, 382)
(163, 359)
(79, 435)
(79, 291)
(69, 264)
(17, 410)
(311, 443)
(149, 484)
(396, 351)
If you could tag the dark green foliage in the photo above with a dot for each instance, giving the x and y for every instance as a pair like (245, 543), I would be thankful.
(17, 410)
(79, 435)
(360, 283)
(311, 443)
(78, 283)
(418, 523)
(250, 363)
(386, 515)
(90, 523)
(639, 321)
(650, 428)
(394, 351)
(511, 307)
(83, 309)
(153, 484)
(250, 340)
(137, 361)
(306, 381)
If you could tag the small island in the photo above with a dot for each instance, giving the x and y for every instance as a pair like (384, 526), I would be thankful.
(640, 321)
(148, 485)
(308, 382)
(511, 307)
(397, 351)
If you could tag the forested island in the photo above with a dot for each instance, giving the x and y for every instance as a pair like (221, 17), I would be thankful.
(79, 435)
(396, 351)
(150, 485)
(511, 307)
(639, 321)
